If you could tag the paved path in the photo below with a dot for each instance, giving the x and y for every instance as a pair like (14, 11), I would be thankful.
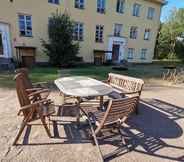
(157, 133)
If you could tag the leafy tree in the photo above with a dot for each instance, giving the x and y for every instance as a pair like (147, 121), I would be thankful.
(179, 49)
(172, 29)
(60, 48)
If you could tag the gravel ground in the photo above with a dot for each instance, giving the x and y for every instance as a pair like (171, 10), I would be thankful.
(156, 133)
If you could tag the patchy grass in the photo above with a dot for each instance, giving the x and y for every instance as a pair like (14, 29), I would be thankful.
(39, 74)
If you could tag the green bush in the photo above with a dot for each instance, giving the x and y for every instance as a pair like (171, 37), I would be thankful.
(60, 48)
(179, 49)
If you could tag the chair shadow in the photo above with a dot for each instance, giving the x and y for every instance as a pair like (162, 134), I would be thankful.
(152, 125)
(69, 128)
(174, 112)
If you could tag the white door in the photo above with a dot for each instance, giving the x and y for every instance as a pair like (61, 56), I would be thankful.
(5, 45)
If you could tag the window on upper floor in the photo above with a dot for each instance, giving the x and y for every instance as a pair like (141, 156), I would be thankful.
(147, 34)
(151, 13)
(99, 33)
(54, 1)
(78, 33)
(117, 30)
(143, 54)
(120, 6)
(25, 25)
(79, 4)
(136, 9)
(133, 32)
(131, 52)
(101, 6)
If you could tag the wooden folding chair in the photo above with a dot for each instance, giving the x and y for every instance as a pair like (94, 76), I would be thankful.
(31, 111)
(113, 117)
(33, 87)
(25, 71)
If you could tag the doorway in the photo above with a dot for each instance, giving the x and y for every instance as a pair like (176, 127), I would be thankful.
(115, 52)
(5, 43)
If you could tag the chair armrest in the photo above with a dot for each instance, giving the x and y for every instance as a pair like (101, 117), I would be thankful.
(39, 92)
(33, 89)
(134, 92)
(39, 83)
(32, 105)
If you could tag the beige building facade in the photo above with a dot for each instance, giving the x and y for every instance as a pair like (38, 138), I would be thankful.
(125, 28)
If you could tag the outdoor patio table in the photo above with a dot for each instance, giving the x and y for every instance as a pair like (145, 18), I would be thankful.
(79, 87)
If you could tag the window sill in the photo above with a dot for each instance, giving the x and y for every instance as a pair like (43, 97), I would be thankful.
(103, 13)
(25, 36)
(135, 16)
(150, 19)
(79, 8)
(133, 38)
(117, 35)
(54, 3)
(99, 41)
(120, 12)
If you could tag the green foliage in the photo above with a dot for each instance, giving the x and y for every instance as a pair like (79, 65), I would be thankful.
(60, 48)
(169, 33)
(179, 49)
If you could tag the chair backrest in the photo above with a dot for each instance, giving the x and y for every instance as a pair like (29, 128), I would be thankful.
(21, 91)
(120, 108)
(127, 83)
(25, 73)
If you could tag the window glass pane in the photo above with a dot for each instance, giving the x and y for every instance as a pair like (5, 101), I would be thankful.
(54, 1)
(101, 6)
(120, 6)
(25, 25)
(99, 33)
(21, 17)
(151, 13)
(130, 53)
(78, 31)
(143, 54)
(1, 44)
(136, 9)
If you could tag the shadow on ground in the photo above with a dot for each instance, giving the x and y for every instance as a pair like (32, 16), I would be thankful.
(157, 121)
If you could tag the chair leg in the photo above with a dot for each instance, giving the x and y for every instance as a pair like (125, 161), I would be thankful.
(45, 126)
(19, 132)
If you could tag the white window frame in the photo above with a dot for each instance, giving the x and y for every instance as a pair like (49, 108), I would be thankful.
(151, 13)
(120, 8)
(131, 52)
(79, 4)
(101, 6)
(143, 54)
(99, 33)
(136, 9)
(133, 32)
(78, 33)
(118, 30)
(28, 32)
(147, 34)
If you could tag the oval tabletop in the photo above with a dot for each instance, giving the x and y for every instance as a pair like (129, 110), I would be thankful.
(82, 86)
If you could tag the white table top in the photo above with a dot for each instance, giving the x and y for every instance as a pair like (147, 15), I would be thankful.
(82, 86)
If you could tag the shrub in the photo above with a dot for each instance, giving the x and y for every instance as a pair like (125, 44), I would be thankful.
(60, 48)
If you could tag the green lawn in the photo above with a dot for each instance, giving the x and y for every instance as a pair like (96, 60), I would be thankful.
(37, 74)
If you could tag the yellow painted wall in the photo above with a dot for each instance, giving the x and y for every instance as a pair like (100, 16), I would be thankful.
(41, 10)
